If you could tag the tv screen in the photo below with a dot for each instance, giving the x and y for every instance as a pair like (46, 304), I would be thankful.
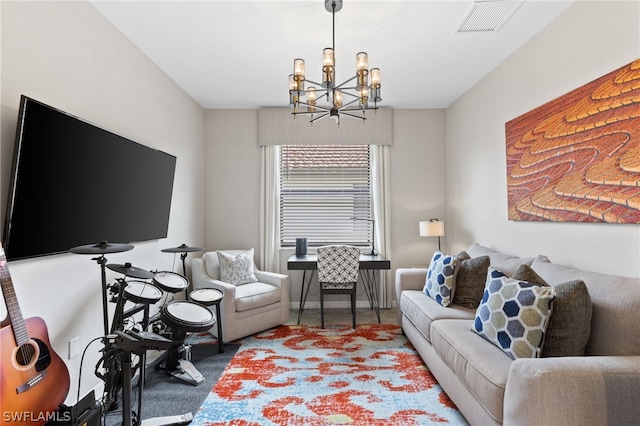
(74, 183)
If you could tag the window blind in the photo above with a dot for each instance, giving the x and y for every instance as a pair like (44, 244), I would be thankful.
(325, 195)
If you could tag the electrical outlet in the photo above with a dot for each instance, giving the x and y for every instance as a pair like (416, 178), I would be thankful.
(74, 347)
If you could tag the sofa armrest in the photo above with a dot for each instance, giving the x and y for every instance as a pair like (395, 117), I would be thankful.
(587, 390)
(273, 278)
(410, 279)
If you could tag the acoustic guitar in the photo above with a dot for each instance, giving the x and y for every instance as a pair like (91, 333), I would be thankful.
(34, 380)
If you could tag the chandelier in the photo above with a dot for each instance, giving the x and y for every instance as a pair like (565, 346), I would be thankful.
(337, 100)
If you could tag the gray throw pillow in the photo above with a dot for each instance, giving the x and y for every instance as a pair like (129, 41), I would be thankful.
(471, 277)
(525, 273)
(570, 322)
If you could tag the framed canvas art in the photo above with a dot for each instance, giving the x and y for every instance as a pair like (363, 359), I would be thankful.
(577, 157)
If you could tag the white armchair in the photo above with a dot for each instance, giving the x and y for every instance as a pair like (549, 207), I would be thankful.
(245, 308)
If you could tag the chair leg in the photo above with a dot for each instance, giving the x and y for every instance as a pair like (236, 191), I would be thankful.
(321, 308)
(353, 309)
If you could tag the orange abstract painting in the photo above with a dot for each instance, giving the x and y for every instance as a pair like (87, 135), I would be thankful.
(577, 158)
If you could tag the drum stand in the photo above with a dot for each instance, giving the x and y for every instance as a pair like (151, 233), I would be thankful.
(138, 343)
(183, 249)
(176, 361)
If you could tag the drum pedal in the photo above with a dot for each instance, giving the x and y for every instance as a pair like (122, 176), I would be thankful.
(187, 371)
(182, 419)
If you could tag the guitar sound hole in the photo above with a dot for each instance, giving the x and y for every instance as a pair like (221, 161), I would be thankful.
(25, 354)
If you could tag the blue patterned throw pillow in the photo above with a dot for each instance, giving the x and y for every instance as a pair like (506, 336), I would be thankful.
(513, 315)
(441, 278)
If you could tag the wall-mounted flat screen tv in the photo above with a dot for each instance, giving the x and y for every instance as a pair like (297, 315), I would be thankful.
(74, 183)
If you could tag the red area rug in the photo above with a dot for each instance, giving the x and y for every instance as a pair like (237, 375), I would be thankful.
(302, 375)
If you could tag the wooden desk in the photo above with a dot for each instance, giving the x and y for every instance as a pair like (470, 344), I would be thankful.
(369, 264)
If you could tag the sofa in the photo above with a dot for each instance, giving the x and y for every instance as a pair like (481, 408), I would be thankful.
(253, 300)
(598, 387)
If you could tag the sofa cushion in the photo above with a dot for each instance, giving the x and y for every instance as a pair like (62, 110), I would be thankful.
(255, 295)
(482, 367)
(471, 275)
(441, 278)
(422, 310)
(514, 315)
(506, 263)
(615, 307)
(237, 269)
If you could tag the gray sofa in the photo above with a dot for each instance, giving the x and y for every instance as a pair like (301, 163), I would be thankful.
(600, 388)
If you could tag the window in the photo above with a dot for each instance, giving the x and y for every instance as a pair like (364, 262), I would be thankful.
(325, 195)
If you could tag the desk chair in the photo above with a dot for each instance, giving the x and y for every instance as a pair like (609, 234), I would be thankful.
(338, 267)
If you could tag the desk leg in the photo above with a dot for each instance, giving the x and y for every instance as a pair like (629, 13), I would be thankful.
(303, 294)
(371, 288)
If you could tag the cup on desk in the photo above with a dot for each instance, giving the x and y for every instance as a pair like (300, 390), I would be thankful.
(301, 246)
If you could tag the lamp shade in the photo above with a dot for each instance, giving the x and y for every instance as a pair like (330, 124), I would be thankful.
(431, 228)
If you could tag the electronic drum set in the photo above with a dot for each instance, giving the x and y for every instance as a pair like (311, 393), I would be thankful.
(167, 330)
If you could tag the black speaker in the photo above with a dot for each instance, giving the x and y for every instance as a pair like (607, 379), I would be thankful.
(301, 246)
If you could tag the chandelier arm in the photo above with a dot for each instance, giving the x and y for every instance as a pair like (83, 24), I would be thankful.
(349, 94)
(324, 109)
(318, 118)
(308, 112)
(345, 82)
(348, 114)
(347, 104)
(360, 109)
(313, 82)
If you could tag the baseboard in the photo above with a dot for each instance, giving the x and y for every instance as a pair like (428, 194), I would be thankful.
(315, 304)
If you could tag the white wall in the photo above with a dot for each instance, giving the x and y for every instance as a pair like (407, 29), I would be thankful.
(67, 55)
(232, 179)
(587, 41)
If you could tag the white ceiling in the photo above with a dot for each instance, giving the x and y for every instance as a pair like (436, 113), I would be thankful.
(238, 54)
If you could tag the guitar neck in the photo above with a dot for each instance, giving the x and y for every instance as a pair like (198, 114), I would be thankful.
(15, 315)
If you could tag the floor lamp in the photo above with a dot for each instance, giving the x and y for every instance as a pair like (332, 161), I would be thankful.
(432, 228)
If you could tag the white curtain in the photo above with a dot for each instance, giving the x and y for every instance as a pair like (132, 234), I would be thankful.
(380, 178)
(269, 209)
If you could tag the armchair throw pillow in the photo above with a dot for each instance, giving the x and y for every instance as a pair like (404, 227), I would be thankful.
(237, 269)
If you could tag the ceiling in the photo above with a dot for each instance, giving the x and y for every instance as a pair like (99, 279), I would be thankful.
(239, 54)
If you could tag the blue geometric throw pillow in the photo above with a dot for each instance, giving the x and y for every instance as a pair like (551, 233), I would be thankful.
(440, 281)
(513, 315)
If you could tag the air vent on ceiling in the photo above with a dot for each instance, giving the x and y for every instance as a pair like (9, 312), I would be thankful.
(488, 15)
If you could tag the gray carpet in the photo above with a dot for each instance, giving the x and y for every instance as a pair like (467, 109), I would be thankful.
(165, 395)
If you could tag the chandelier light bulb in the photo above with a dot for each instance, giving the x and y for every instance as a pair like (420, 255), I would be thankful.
(311, 99)
(337, 99)
(362, 61)
(328, 68)
(298, 68)
(375, 77)
(327, 57)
